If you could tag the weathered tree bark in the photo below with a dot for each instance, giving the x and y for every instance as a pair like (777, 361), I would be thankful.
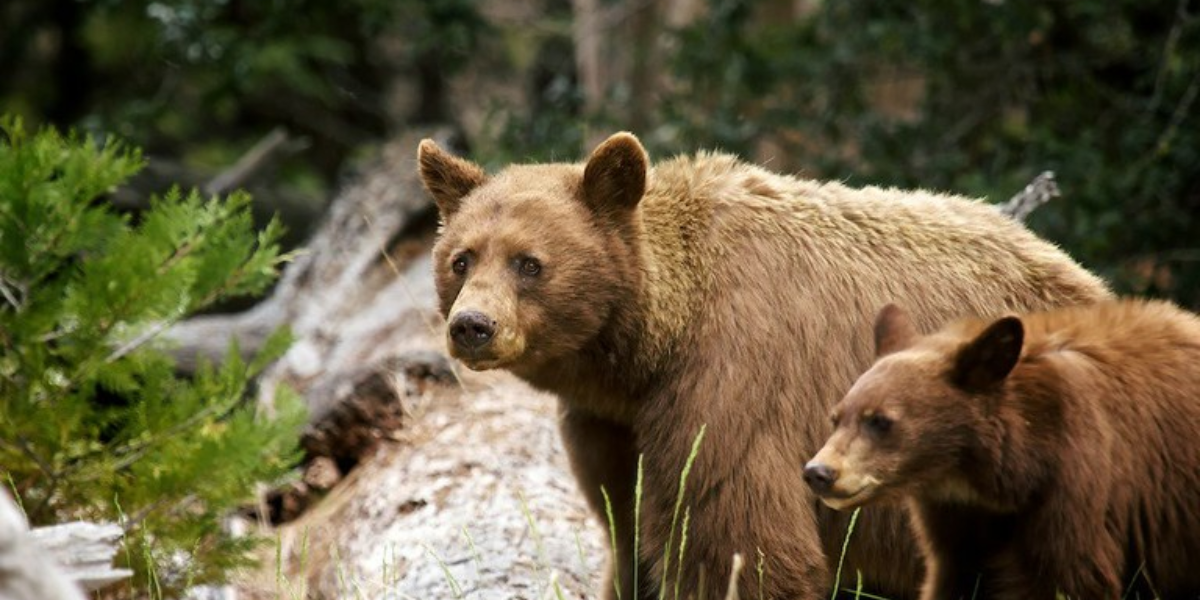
(471, 499)
(85, 551)
(54, 563)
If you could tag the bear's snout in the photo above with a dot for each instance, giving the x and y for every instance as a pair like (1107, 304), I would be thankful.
(819, 476)
(472, 330)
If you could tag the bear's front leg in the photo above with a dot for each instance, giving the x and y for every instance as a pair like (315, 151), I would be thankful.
(1066, 551)
(959, 545)
(604, 453)
(947, 580)
(746, 501)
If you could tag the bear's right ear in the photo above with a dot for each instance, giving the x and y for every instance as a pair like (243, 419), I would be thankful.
(987, 360)
(447, 177)
(614, 179)
(894, 330)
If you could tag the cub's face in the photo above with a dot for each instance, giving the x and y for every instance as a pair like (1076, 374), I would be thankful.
(530, 263)
(894, 430)
(905, 425)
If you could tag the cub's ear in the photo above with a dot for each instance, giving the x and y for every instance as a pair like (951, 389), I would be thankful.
(615, 177)
(985, 361)
(447, 177)
(894, 330)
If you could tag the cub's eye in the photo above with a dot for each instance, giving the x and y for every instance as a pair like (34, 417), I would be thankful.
(530, 267)
(835, 419)
(460, 264)
(877, 424)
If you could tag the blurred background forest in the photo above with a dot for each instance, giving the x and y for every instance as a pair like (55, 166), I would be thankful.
(969, 96)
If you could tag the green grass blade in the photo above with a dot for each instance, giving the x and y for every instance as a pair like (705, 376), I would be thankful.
(612, 536)
(454, 587)
(761, 569)
(837, 580)
(637, 517)
(474, 551)
(537, 535)
(687, 519)
(683, 476)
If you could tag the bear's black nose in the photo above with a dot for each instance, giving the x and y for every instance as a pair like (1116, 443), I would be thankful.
(472, 330)
(819, 477)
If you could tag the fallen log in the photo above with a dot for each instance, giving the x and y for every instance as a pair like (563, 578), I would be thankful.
(58, 562)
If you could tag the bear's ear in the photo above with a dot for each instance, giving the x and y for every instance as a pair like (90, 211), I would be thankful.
(447, 177)
(894, 331)
(985, 361)
(615, 177)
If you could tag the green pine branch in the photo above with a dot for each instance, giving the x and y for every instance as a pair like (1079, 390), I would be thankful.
(94, 421)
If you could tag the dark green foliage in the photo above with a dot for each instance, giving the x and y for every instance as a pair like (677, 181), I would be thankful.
(552, 125)
(94, 421)
(1104, 93)
(198, 82)
(970, 96)
(724, 66)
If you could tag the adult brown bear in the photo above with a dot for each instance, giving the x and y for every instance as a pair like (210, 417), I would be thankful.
(703, 290)
(1053, 452)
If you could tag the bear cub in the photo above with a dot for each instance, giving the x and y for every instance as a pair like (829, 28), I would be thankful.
(1056, 451)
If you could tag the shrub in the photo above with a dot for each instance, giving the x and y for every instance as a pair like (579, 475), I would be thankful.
(95, 423)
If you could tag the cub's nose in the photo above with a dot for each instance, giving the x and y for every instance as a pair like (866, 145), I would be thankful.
(472, 330)
(819, 477)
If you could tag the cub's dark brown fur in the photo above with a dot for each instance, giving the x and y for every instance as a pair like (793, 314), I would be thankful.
(702, 290)
(1055, 451)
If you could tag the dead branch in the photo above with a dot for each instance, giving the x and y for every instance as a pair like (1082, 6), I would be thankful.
(85, 551)
(360, 304)
(339, 269)
(53, 563)
(275, 144)
(1039, 191)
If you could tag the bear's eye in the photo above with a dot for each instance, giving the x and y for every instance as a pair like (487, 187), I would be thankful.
(835, 419)
(530, 267)
(877, 424)
(460, 264)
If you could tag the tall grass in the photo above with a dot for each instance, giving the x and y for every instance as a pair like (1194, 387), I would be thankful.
(612, 536)
(687, 519)
(637, 525)
(683, 477)
(455, 588)
(837, 579)
(533, 530)
(474, 551)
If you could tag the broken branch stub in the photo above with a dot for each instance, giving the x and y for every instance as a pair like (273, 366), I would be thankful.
(1041, 190)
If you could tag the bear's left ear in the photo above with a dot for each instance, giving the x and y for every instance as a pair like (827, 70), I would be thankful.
(447, 177)
(614, 179)
(987, 360)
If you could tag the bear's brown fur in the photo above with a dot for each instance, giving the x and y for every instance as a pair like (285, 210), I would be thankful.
(1057, 450)
(703, 290)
